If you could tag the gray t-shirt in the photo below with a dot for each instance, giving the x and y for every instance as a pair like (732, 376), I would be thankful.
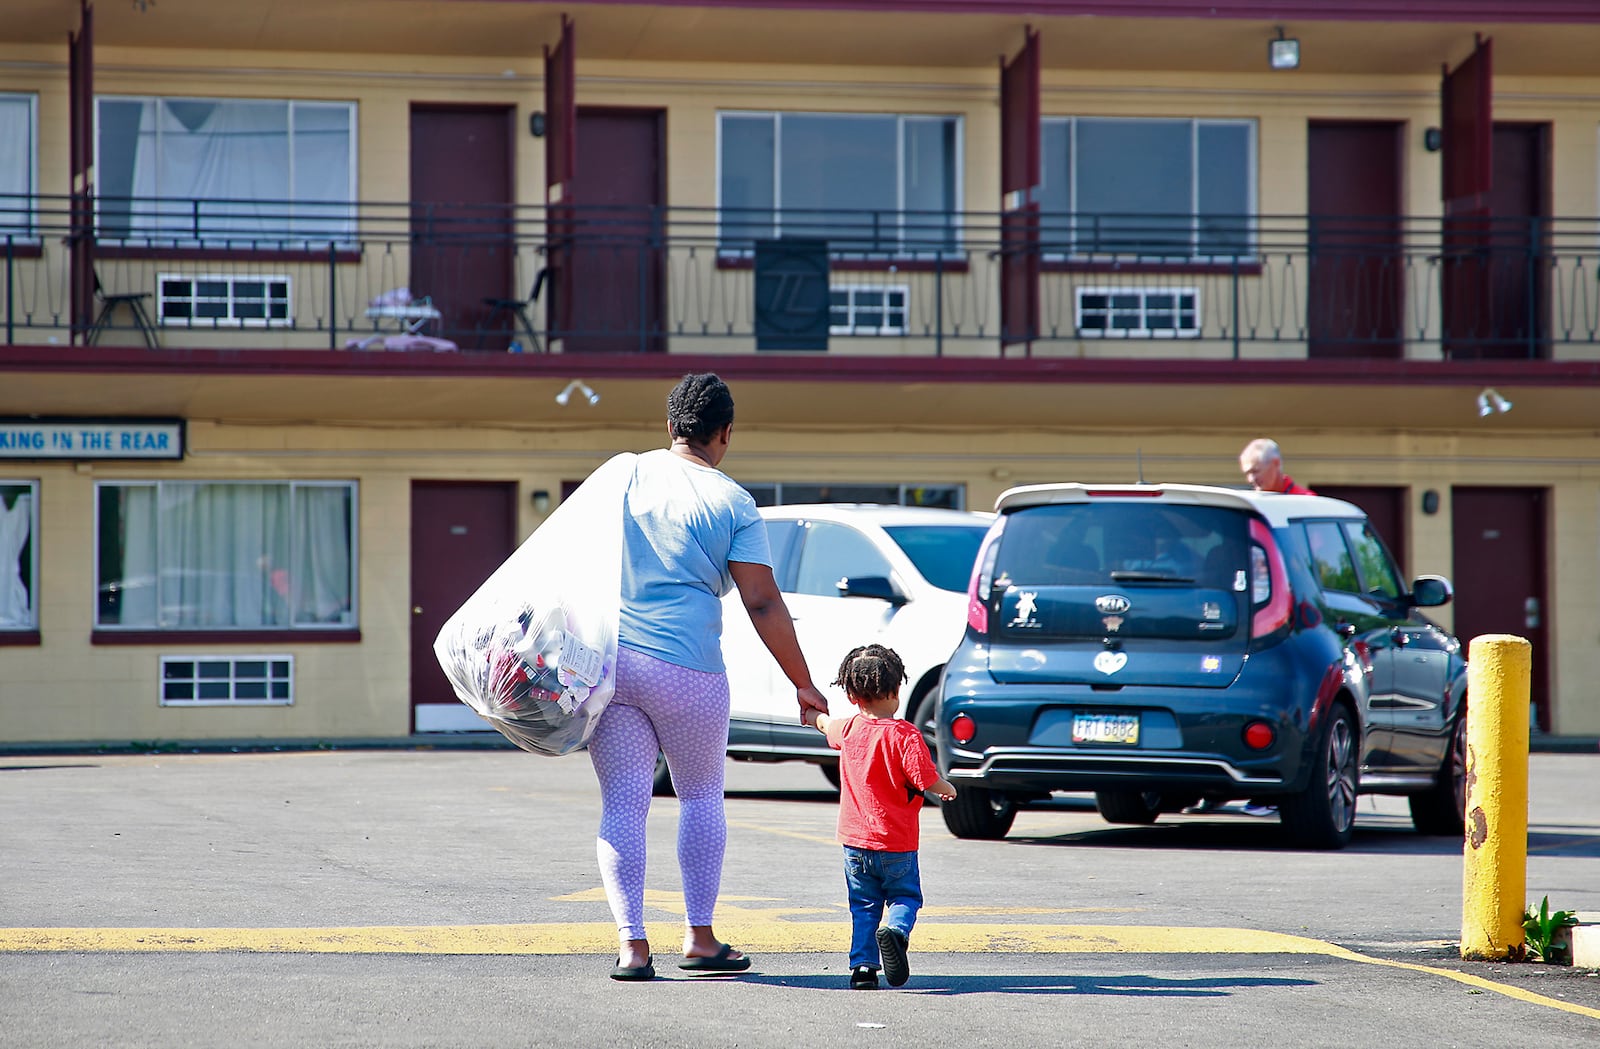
(681, 524)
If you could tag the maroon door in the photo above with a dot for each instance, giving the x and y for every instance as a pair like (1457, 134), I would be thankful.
(616, 266)
(1499, 572)
(1355, 300)
(460, 533)
(1517, 280)
(1386, 510)
(461, 220)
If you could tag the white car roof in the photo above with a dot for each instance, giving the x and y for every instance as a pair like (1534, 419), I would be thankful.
(1277, 509)
(874, 513)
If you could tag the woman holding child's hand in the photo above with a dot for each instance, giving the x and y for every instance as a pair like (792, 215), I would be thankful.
(690, 534)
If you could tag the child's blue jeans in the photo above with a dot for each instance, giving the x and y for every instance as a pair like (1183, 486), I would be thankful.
(879, 880)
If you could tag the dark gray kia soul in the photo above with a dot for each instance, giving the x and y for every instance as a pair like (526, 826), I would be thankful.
(1163, 645)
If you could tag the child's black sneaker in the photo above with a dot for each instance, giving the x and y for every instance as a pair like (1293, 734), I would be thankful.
(863, 978)
(896, 967)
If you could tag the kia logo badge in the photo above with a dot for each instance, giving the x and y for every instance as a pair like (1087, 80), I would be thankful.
(1112, 604)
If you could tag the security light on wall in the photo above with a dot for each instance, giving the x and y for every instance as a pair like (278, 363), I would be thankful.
(1490, 401)
(582, 387)
(1283, 52)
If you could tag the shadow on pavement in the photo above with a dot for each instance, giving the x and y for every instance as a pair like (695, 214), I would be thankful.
(1268, 835)
(1121, 986)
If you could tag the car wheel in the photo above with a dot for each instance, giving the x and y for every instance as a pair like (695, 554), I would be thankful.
(926, 717)
(977, 813)
(1323, 816)
(661, 784)
(1128, 806)
(830, 772)
(1442, 810)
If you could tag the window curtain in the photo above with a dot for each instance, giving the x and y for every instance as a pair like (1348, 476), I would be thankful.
(16, 163)
(322, 561)
(16, 524)
(225, 169)
(224, 552)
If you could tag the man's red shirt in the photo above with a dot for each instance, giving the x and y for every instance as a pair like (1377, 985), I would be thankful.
(884, 766)
(1290, 488)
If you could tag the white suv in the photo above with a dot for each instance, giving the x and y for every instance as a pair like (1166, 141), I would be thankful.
(850, 575)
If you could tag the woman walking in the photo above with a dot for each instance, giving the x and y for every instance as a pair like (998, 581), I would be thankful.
(690, 534)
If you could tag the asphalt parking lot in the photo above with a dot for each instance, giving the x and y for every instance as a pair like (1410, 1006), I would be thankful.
(449, 897)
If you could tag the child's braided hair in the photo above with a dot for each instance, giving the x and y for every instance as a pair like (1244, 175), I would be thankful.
(699, 406)
(871, 672)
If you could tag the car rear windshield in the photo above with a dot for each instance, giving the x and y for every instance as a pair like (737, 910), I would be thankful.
(943, 554)
(1104, 543)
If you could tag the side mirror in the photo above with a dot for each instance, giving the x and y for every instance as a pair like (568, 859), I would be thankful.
(871, 586)
(1430, 591)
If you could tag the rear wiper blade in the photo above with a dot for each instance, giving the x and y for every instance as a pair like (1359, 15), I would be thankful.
(1149, 577)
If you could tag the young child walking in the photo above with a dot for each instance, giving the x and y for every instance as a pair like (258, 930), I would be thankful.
(884, 766)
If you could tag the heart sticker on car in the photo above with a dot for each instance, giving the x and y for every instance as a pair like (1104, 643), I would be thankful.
(1110, 662)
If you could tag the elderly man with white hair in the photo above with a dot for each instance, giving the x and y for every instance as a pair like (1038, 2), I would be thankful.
(1261, 462)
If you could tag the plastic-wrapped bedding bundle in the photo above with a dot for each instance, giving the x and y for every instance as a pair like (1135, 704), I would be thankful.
(534, 650)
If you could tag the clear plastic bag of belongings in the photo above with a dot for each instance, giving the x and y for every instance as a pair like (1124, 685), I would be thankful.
(534, 650)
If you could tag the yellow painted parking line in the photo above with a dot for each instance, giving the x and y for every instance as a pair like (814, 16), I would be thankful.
(761, 935)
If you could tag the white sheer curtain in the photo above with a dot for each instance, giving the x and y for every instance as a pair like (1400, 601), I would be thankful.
(210, 555)
(219, 548)
(16, 524)
(242, 151)
(322, 562)
(16, 163)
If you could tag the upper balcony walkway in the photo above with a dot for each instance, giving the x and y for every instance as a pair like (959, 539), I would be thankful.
(237, 275)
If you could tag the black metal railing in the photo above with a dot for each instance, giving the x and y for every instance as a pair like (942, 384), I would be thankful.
(250, 274)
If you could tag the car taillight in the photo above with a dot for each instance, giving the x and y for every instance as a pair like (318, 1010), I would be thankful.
(982, 578)
(1269, 583)
(963, 728)
(1258, 735)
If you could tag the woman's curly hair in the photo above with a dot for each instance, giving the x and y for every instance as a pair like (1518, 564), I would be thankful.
(698, 407)
(871, 672)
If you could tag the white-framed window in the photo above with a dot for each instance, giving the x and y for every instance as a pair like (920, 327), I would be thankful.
(222, 300)
(19, 554)
(1158, 188)
(248, 173)
(225, 555)
(867, 309)
(19, 166)
(782, 493)
(1138, 313)
(227, 681)
(868, 183)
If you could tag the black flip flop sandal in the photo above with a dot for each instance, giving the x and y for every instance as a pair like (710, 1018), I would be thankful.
(721, 962)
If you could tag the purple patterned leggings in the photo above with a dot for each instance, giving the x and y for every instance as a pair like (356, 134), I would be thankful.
(683, 714)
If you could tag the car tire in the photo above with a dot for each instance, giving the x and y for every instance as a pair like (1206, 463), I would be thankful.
(925, 715)
(978, 814)
(1128, 806)
(1323, 816)
(1441, 811)
(830, 772)
(661, 783)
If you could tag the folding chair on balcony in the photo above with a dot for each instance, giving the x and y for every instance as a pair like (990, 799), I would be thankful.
(521, 307)
(108, 306)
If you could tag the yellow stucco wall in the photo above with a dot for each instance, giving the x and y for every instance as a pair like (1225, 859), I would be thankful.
(69, 689)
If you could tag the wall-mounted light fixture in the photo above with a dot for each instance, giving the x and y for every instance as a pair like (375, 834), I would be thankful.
(1283, 52)
(581, 387)
(536, 124)
(541, 500)
(1432, 140)
(1490, 401)
(1430, 501)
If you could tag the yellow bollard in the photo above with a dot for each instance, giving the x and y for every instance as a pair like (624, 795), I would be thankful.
(1496, 849)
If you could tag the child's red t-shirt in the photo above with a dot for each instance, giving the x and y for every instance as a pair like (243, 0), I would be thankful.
(884, 766)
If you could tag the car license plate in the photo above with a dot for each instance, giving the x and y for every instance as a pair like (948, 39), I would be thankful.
(1106, 728)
